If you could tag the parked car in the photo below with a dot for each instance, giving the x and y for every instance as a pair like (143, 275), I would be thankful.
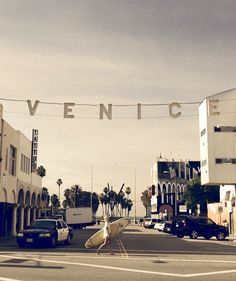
(159, 225)
(167, 227)
(197, 226)
(45, 232)
(150, 223)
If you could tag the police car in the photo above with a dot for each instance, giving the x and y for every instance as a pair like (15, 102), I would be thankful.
(45, 232)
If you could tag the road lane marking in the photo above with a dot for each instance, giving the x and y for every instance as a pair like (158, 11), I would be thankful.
(210, 273)
(101, 266)
(122, 248)
(131, 256)
(119, 246)
(8, 279)
(123, 269)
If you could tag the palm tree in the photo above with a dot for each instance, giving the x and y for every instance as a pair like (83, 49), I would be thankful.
(45, 197)
(101, 199)
(55, 202)
(129, 204)
(128, 191)
(120, 199)
(59, 183)
(146, 199)
(41, 171)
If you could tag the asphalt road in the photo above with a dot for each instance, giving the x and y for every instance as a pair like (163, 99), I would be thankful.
(139, 254)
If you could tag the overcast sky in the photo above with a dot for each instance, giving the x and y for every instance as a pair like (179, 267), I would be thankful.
(119, 52)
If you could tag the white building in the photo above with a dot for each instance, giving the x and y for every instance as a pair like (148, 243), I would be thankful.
(217, 119)
(20, 189)
(170, 179)
(217, 116)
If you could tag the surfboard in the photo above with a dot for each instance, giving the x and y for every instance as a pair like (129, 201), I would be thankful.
(116, 227)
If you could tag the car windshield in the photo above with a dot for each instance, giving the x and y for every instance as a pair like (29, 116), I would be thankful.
(43, 224)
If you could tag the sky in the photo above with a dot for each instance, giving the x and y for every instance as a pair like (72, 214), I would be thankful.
(119, 52)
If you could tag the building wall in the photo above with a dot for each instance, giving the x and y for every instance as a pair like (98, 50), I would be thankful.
(225, 210)
(217, 119)
(170, 179)
(20, 189)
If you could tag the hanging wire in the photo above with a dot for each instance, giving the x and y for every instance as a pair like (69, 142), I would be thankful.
(115, 105)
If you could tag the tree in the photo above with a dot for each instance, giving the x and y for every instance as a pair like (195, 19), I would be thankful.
(59, 183)
(101, 200)
(75, 197)
(145, 198)
(44, 194)
(41, 171)
(128, 191)
(196, 193)
(130, 205)
(55, 202)
(95, 202)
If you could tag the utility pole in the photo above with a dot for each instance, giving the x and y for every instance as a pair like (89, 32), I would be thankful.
(91, 197)
(134, 195)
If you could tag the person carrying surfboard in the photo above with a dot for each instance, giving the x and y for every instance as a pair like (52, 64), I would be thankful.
(106, 236)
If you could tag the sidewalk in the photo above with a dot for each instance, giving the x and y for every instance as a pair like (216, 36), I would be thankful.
(232, 238)
(8, 241)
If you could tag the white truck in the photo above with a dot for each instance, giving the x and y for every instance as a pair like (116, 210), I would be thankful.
(79, 217)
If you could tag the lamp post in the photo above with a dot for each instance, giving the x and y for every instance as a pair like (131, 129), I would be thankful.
(91, 197)
(134, 195)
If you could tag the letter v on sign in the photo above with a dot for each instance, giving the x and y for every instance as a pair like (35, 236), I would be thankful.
(32, 109)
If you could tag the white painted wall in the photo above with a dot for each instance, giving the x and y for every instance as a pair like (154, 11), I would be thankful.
(218, 110)
(11, 184)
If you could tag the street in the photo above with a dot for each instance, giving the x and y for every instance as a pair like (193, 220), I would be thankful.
(138, 254)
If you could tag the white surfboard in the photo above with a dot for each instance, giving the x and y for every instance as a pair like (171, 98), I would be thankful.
(116, 227)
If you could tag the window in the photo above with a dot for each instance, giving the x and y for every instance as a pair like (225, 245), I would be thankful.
(12, 161)
(225, 160)
(63, 224)
(25, 164)
(227, 195)
(203, 132)
(59, 226)
(21, 162)
(228, 129)
(6, 159)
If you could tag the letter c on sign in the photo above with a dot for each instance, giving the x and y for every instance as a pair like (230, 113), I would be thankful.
(171, 114)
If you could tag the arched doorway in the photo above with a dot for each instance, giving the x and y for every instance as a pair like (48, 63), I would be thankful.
(26, 209)
(166, 211)
(20, 213)
(33, 206)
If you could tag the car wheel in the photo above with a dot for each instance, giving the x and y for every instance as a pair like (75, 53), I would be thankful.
(193, 234)
(53, 241)
(68, 240)
(221, 235)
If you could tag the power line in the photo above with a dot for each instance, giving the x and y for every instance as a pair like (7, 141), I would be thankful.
(94, 104)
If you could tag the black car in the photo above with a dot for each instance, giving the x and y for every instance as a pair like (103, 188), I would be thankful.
(197, 226)
(167, 227)
(45, 232)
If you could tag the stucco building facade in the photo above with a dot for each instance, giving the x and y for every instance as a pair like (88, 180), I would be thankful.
(170, 179)
(20, 188)
(217, 119)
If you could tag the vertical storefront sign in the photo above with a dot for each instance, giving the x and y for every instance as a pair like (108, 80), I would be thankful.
(34, 151)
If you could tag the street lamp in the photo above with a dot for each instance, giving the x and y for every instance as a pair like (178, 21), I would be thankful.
(134, 195)
(91, 197)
